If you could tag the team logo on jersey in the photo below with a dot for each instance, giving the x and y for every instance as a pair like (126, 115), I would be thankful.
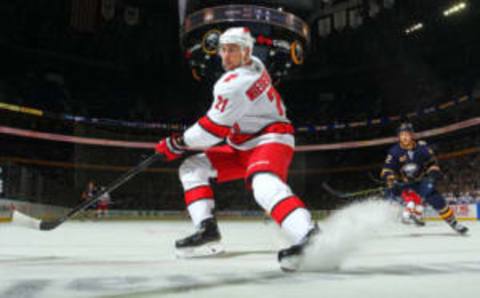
(403, 158)
(230, 77)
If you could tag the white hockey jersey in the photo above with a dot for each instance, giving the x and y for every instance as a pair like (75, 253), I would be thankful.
(247, 110)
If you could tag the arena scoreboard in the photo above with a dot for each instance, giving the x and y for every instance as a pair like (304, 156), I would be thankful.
(281, 37)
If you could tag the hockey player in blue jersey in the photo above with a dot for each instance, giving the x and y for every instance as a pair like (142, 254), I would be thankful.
(412, 165)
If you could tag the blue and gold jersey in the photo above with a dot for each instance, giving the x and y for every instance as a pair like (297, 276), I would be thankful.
(420, 154)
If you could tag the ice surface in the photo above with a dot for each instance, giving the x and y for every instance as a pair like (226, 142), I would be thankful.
(136, 259)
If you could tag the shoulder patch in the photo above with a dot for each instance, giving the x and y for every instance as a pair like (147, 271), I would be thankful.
(230, 77)
(230, 82)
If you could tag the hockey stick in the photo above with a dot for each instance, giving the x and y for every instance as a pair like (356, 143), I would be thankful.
(50, 225)
(346, 195)
(375, 179)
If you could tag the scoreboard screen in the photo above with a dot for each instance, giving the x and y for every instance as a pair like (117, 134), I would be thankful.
(246, 13)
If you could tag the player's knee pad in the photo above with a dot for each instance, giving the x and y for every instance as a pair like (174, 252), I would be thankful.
(419, 210)
(426, 188)
(196, 170)
(436, 200)
(268, 189)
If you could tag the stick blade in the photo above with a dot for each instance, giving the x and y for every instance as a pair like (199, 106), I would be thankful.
(23, 220)
(333, 192)
(48, 225)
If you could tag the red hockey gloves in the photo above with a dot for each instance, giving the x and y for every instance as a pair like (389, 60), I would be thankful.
(171, 148)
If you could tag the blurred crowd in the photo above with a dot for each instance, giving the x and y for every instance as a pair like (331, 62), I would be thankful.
(461, 182)
(54, 167)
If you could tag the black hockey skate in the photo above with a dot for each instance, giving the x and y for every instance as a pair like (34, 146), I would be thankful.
(290, 258)
(459, 228)
(204, 242)
(417, 220)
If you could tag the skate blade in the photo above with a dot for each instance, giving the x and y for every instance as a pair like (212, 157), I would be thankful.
(462, 231)
(291, 264)
(419, 223)
(416, 221)
(203, 251)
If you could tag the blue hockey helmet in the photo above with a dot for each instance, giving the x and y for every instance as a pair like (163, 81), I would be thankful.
(406, 126)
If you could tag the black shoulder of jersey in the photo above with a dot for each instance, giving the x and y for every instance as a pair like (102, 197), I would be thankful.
(395, 149)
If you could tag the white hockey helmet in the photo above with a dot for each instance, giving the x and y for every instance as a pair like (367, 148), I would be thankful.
(238, 35)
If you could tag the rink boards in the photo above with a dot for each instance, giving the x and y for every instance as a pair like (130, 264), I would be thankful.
(463, 212)
(36, 210)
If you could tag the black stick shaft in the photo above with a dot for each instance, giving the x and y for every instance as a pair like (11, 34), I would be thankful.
(50, 225)
(346, 195)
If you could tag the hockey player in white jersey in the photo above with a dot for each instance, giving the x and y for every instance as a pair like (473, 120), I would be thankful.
(248, 113)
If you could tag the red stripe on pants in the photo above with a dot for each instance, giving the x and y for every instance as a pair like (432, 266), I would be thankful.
(286, 206)
(198, 193)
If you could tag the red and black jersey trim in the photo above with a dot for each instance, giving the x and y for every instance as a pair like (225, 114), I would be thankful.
(285, 207)
(277, 127)
(218, 130)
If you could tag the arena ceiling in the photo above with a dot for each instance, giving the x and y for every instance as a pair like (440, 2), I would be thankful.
(375, 61)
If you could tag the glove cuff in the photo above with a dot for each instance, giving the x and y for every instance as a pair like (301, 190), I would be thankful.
(176, 144)
(389, 180)
(170, 148)
(434, 174)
